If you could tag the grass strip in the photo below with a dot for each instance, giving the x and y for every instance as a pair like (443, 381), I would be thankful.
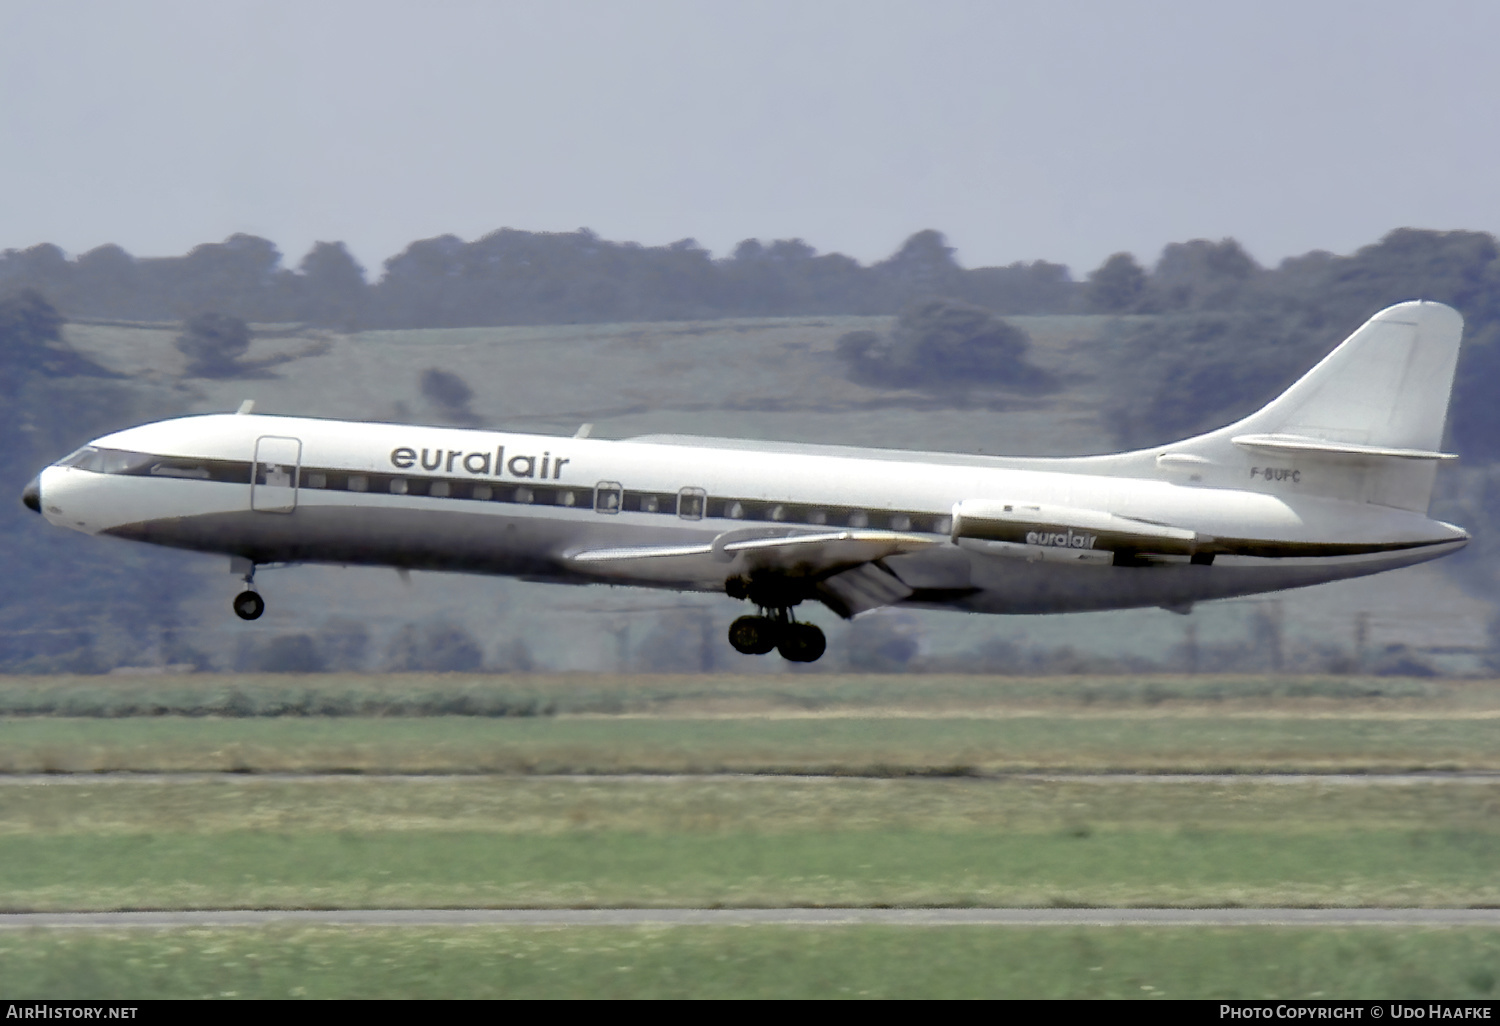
(752, 961)
(558, 843)
(1160, 741)
(524, 695)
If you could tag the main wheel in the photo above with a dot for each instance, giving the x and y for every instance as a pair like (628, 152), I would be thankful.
(802, 643)
(753, 635)
(248, 605)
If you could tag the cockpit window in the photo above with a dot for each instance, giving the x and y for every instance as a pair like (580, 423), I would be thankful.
(80, 458)
(117, 461)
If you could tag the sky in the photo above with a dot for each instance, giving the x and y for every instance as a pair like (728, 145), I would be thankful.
(1062, 130)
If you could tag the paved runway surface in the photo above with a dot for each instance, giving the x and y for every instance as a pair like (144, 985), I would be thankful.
(1407, 917)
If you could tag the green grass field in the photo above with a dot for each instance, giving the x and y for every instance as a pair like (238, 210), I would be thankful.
(912, 805)
(564, 842)
(826, 744)
(752, 961)
(852, 725)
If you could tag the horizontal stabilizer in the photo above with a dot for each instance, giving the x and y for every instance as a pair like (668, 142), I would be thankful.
(1321, 447)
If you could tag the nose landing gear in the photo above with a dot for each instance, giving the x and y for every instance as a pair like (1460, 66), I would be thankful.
(797, 642)
(248, 605)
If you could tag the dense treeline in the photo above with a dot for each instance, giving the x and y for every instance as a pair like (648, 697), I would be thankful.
(516, 277)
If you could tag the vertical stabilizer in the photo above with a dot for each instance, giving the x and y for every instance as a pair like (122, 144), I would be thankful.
(1386, 386)
(1365, 424)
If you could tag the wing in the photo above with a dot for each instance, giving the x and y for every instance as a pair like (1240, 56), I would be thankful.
(842, 568)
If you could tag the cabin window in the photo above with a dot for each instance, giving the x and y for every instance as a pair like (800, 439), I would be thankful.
(608, 496)
(650, 504)
(735, 511)
(440, 489)
(943, 525)
(817, 516)
(483, 492)
(359, 483)
(524, 494)
(859, 518)
(690, 503)
(315, 480)
(900, 522)
(398, 486)
(777, 512)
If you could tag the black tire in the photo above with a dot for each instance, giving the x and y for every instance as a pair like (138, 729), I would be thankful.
(754, 635)
(802, 643)
(248, 605)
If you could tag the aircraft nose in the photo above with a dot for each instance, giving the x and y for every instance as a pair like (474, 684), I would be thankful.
(32, 495)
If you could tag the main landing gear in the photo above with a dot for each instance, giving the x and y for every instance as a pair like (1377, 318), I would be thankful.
(797, 642)
(773, 627)
(248, 605)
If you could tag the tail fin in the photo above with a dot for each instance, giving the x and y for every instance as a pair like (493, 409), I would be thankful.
(1366, 422)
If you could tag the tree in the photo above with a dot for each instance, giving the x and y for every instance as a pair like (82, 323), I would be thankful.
(213, 342)
(333, 286)
(29, 325)
(450, 394)
(945, 340)
(1200, 274)
(923, 266)
(31, 342)
(1116, 286)
(945, 344)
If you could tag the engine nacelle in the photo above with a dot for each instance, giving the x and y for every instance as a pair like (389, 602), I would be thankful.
(1064, 534)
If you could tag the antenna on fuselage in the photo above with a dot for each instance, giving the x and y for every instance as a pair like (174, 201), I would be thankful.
(584, 430)
(248, 406)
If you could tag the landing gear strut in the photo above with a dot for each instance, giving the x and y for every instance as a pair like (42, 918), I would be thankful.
(797, 642)
(248, 605)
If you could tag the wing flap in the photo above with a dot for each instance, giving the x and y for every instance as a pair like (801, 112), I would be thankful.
(860, 589)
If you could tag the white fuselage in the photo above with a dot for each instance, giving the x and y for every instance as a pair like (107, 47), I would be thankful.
(659, 513)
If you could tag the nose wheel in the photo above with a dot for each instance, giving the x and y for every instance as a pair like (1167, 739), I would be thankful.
(797, 642)
(248, 605)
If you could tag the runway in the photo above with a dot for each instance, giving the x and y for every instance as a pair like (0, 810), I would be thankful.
(663, 917)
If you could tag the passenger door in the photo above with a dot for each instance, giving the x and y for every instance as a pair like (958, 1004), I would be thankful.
(273, 478)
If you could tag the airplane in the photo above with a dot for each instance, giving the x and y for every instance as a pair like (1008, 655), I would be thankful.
(1330, 480)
